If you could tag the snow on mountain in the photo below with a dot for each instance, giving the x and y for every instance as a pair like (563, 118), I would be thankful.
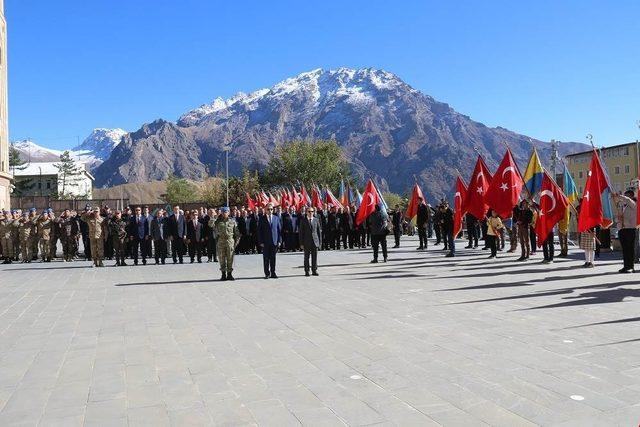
(94, 150)
(101, 142)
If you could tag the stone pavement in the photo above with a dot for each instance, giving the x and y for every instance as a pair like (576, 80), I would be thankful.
(422, 340)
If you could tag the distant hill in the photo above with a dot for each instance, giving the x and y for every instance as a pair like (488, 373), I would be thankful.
(137, 192)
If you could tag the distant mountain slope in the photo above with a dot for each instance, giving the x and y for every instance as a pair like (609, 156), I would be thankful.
(389, 131)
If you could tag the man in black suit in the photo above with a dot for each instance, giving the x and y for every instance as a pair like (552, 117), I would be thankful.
(195, 237)
(159, 235)
(310, 239)
(422, 218)
(346, 227)
(138, 235)
(269, 238)
(396, 220)
(333, 222)
(178, 232)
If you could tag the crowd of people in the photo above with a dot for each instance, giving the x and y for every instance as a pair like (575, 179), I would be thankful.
(216, 235)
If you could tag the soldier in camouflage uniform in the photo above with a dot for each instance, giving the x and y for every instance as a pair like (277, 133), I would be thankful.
(227, 237)
(15, 235)
(6, 236)
(33, 217)
(118, 236)
(68, 228)
(45, 225)
(55, 232)
(97, 234)
(25, 228)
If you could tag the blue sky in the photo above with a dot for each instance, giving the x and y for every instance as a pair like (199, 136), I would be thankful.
(548, 69)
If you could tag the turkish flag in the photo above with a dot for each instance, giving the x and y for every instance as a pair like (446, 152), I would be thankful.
(305, 196)
(591, 206)
(459, 208)
(553, 207)
(412, 209)
(331, 199)
(505, 188)
(264, 199)
(370, 200)
(478, 185)
(250, 203)
(316, 199)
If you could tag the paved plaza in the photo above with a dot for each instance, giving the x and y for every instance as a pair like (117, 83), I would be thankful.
(421, 340)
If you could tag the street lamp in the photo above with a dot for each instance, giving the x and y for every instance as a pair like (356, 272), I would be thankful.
(226, 150)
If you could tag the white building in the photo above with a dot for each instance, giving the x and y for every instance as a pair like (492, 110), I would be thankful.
(43, 179)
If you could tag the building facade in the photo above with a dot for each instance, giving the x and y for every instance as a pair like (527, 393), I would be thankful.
(43, 179)
(5, 175)
(620, 162)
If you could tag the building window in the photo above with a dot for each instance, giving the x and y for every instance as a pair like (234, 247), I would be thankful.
(48, 185)
(626, 168)
(626, 151)
(39, 186)
(617, 169)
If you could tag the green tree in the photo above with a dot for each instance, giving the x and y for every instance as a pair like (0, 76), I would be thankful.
(394, 199)
(180, 190)
(21, 186)
(68, 174)
(212, 191)
(249, 182)
(321, 162)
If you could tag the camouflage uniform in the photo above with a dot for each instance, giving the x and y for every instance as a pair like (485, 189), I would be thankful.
(227, 237)
(15, 237)
(55, 232)
(118, 235)
(34, 235)
(25, 230)
(68, 228)
(6, 238)
(97, 236)
(45, 226)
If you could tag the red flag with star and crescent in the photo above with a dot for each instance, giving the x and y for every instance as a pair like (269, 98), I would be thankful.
(591, 213)
(316, 198)
(505, 188)
(370, 200)
(553, 207)
(477, 189)
(459, 208)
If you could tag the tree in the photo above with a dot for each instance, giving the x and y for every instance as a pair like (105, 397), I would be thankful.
(68, 174)
(180, 190)
(239, 186)
(212, 191)
(308, 162)
(21, 186)
(394, 199)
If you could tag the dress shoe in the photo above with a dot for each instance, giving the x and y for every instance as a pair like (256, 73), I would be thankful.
(266, 276)
(624, 270)
(306, 273)
(450, 255)
(274, 276)
(374, 261)
(315, 273)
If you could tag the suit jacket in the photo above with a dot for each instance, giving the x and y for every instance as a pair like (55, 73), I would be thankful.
(195, 233)
(133, 226)
(177, 227)
(269, 234)
(310, 232)
(159, 229)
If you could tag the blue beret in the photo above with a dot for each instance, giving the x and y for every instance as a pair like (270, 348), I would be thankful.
(32, 210)
(224, 209)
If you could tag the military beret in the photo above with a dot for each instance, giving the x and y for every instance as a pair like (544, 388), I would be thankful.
(32, 210)
(224, 209)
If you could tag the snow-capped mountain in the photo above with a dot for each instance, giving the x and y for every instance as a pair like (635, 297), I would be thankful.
(95, 148)
(388, 130)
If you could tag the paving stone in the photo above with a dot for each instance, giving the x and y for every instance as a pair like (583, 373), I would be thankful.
(419, 340)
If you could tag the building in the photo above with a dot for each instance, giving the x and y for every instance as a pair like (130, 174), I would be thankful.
(5, 175)
(620, 162)
(42, 179)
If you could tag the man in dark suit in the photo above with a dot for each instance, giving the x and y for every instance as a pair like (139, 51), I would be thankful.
(346, 227)
(159, 235)
(422, 219)
(178, 232)
(195, 237)
(269, 238)
(310, 239)
(396, 220)
(138, 235)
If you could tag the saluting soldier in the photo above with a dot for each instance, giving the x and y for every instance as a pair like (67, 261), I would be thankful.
(69, 228)
(33, 217)
(227, 237)
(25, 228)
(6, 231)
(96, 235)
